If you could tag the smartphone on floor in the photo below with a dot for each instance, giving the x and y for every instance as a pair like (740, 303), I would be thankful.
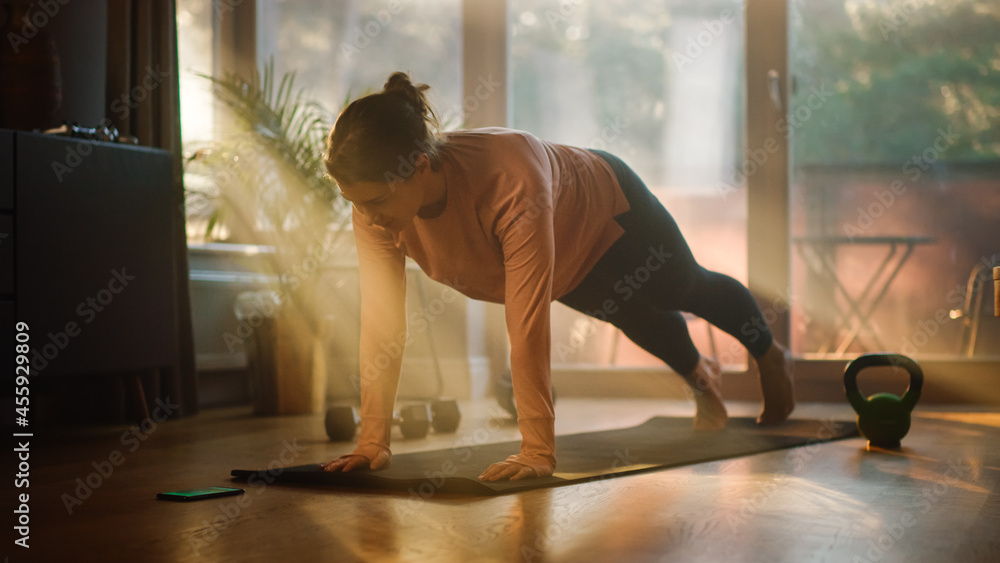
(199, 494)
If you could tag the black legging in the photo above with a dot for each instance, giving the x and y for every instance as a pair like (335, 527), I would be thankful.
(649, 276)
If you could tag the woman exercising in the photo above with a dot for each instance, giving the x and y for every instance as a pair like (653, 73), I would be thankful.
(503, 216)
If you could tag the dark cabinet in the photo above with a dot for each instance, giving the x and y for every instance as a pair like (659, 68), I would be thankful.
(85, 236)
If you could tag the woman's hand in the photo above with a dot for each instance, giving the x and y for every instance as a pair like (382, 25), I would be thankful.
(351, 462)
(510, 470)
(347, 463)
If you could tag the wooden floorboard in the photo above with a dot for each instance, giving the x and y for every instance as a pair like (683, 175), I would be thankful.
(935, 500)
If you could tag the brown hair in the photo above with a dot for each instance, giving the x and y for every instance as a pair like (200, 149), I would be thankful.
(377, 137)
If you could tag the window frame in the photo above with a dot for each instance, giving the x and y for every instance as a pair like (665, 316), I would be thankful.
(486, 55)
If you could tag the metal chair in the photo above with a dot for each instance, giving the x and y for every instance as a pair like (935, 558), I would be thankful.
(971, 312)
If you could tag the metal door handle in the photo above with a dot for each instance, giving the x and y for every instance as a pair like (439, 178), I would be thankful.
(774, 85)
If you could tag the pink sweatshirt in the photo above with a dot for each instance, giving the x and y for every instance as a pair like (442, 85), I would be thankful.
(525, 221)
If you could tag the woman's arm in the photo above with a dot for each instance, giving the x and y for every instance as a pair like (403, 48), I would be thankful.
(529, 259)
(383, 337)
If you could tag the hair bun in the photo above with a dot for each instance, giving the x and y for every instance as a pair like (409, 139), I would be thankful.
(398, 80)
(375, 132)
(399, 83)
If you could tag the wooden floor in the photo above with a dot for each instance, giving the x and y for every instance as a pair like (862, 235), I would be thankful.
(936, 500)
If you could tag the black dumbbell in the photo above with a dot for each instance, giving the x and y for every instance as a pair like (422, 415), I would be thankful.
(445, 415)
(442, 415)
(341, 423)
(413, 420)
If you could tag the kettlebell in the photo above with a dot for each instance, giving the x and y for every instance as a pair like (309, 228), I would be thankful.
(883, 418)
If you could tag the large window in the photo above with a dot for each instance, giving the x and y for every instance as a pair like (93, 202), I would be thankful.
(891, 118)
(660, 86)
(895, 176)
(195, 43)
(341, 50)
(333, 52)
(337, 50)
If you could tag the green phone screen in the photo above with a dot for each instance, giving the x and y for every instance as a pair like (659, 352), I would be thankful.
(207, 492)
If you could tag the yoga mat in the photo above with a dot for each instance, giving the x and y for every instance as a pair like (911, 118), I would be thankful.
(659, 443)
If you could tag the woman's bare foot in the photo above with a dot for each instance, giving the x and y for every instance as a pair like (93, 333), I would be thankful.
(776, 385)
(706, 384)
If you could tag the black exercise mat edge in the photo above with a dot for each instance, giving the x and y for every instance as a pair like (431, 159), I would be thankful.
(311, 474)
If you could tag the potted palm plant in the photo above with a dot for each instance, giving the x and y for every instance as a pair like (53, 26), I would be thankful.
(264, 184)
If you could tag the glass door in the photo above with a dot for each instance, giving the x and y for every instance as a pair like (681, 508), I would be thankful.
(895, 177)
(661, 86)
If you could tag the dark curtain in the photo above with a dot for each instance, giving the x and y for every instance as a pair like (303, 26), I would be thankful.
(143, 99)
